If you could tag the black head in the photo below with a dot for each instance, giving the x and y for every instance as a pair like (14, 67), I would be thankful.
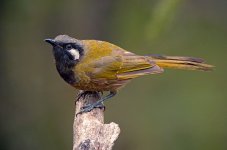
(67, 53)
(66, 47)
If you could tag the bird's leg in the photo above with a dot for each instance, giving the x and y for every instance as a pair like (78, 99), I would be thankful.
(97, 104)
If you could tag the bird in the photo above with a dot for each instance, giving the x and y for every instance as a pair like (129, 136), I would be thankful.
(100, 66)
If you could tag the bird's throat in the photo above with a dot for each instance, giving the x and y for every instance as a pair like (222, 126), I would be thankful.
(67, 75)
(65, 66)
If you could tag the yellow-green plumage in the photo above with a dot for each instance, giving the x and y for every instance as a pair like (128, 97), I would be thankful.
(92, 65)
(103, 60)
(106, 67)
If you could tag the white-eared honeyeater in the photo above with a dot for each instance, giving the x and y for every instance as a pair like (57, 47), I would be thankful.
(93, 65)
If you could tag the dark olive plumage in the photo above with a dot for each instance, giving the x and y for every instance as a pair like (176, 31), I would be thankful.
(93, 65)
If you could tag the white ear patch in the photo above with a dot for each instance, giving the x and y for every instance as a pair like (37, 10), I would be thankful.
(75, 53)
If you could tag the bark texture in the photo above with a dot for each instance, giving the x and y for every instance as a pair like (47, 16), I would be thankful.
(90, 132)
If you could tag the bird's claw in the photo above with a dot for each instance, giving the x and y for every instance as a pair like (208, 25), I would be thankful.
(90, 107)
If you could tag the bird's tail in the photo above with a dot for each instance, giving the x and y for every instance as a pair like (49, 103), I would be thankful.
(181, 62)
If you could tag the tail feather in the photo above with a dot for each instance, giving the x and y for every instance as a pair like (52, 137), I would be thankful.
(181, 62)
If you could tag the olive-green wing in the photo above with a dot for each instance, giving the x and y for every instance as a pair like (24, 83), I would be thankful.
(134, 66)
(108, 61)
(123, 65)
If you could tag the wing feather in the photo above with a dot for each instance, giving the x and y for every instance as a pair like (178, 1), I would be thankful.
(115, 63)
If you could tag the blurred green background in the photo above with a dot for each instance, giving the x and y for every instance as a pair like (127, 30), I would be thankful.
(176, 110)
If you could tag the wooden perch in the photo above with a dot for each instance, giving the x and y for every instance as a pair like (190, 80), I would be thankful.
(89, 130)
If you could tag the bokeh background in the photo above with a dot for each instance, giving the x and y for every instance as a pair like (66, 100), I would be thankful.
(176, 110)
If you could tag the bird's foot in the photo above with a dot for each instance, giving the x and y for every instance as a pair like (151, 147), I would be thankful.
(90, 107)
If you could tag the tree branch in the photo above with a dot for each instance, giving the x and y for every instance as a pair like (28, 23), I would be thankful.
(89, 130)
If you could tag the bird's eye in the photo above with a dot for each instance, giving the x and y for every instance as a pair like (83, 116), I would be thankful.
(68, 47)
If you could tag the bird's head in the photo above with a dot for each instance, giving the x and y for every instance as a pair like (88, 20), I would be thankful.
(66, 48)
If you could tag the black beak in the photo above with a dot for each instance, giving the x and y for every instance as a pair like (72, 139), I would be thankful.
(51, 41)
